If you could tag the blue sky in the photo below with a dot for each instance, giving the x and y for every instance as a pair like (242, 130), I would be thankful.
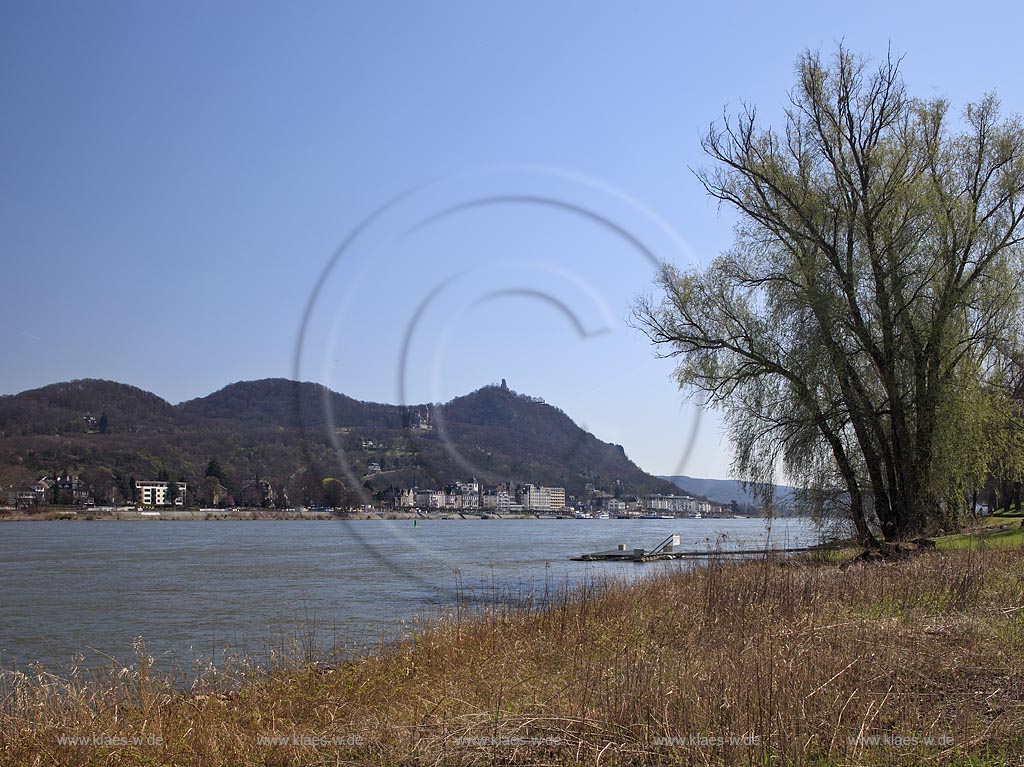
(176, 178)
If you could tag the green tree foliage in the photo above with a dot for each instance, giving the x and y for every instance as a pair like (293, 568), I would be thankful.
(334, 492)
(213, 469)
(854, 334)
(209, 490)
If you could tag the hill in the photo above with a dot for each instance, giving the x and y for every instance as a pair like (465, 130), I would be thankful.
(508, 436)
(72, 406)
(281, 437)
(281, 402)
(724, 491)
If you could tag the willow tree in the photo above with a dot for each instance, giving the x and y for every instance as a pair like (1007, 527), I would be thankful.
(849, 334)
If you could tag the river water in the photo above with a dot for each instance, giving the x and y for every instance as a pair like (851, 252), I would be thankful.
(196, 590)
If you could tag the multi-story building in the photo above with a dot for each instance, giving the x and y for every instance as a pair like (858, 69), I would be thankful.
(420, 419)
(674, 504)
(154, 493)
(431, 499)
(24, 498)
(462, 501)
(71, 489)
(537, 498)
(462, 495)
(499, 499)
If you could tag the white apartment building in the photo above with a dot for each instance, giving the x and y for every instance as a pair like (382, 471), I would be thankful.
(537, 498)
(154, 493)
(674, 504)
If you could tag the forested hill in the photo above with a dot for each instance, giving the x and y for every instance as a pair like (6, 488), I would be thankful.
(280, 402)
(290, 435)
(66, 408)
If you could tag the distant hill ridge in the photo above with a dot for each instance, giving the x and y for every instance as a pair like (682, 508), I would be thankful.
(724, 491)
(277, 430)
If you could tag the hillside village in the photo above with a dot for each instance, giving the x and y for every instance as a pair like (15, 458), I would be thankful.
(275, 444)
(459, 497)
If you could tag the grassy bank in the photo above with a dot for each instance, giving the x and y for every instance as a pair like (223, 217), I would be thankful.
(751, 664)
(1003, 528)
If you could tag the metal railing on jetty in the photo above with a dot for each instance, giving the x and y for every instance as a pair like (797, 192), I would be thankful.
(668, 549)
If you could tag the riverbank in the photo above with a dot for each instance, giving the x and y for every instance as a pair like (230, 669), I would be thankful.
(776, 661)
(216, 515)
(123, 514)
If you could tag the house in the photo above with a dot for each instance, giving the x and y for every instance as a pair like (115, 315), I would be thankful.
(43, 487)
(71, 490)
(254, 492)
(24, 498)
(36, 494)
(420, 419)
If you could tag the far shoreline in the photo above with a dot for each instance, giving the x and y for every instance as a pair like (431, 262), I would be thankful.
(55, 514)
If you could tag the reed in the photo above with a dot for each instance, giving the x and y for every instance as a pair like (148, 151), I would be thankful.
(767, 662)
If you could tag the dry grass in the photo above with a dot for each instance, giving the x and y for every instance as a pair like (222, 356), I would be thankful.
(798, 659)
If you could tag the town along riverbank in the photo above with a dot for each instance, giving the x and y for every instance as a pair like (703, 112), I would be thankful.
(128, 514)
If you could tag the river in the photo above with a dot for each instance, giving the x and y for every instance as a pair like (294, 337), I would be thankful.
(195, 590)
